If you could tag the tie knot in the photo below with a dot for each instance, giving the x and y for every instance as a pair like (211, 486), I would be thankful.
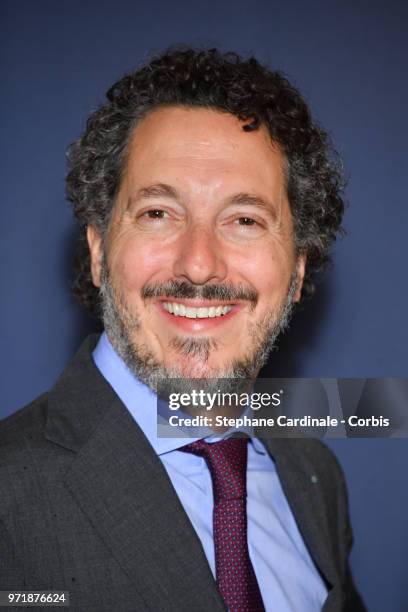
(227, 462)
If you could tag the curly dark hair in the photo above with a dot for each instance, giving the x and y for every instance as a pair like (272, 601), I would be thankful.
(228, 83)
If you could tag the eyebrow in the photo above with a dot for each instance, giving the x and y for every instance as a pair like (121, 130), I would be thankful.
(239, 199)
(154, 191)
(251, 200)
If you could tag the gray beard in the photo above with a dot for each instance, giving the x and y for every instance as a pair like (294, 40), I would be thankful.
(121, 324)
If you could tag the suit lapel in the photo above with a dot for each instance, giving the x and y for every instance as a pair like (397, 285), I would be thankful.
(306, 503)
(122, 487)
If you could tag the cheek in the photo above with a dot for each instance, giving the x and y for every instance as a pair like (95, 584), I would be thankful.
(133, 264)
(268, 271)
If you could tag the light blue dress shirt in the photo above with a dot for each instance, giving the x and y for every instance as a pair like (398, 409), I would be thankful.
(287, 576)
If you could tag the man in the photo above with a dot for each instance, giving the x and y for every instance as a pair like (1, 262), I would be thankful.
(207, 199)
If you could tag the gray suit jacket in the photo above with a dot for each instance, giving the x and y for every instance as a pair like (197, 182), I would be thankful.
(86, 506)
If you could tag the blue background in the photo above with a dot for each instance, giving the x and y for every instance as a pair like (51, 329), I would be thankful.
(349, 59)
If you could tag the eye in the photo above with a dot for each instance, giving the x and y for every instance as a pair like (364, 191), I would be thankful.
(155, 214)
(243, 227)
(246, 221)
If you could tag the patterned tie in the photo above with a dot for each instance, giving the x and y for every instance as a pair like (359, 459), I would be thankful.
(227, 462)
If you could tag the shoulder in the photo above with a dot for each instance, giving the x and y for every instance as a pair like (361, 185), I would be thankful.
(27, 458)
(23, 429)
(39, 442)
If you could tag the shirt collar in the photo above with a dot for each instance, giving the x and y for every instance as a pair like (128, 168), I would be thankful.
(140, 400)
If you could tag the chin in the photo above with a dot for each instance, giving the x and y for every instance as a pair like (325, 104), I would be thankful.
(197, 362)
(193, 369)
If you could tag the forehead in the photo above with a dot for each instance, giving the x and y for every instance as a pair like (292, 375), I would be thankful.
(202, 146)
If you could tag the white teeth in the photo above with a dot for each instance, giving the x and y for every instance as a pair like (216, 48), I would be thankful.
(191, 313)
(179, 310)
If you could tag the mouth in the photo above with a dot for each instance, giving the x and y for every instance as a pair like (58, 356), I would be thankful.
(197, 315)
(202, 312)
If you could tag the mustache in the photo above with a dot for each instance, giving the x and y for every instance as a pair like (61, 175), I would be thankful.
(183, 289)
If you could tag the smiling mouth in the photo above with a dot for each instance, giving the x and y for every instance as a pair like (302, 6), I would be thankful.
(190, 312)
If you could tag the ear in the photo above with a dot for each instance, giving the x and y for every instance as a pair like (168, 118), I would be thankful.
(300, 272)
(96, 252)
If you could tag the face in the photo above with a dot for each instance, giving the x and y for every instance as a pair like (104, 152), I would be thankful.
(198, 268)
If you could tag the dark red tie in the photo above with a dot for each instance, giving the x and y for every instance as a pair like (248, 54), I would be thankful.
(227, 462)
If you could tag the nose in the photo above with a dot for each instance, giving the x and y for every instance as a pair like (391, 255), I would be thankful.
(200, 258)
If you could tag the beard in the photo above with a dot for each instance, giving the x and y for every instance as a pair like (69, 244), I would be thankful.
(122, 326)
